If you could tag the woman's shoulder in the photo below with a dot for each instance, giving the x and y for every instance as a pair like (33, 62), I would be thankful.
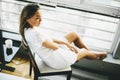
(29, 32)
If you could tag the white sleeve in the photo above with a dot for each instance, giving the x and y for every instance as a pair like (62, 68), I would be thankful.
(40, 37)
(34, 37)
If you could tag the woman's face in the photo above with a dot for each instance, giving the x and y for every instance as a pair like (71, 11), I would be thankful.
(35, 19)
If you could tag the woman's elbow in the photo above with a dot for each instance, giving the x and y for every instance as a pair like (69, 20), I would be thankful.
(55, 48)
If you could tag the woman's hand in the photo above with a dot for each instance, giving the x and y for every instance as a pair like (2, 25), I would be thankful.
(50, 44)
(72, 48)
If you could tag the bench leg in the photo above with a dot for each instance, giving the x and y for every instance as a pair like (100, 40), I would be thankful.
(69, 75)
(30, 72)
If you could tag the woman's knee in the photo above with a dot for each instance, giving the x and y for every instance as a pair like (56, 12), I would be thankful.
(74, 34)
(71, 36)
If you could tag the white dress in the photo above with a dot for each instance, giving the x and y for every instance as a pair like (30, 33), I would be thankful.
(60, 58)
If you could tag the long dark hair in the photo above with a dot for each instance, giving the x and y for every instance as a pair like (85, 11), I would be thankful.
(27, 12)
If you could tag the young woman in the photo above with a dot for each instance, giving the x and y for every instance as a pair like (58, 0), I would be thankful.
(55, 53)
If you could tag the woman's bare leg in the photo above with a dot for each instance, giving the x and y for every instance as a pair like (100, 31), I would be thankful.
(83, 53)
(73, 37)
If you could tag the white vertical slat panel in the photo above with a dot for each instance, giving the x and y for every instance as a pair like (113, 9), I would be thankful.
(102, 35)
(87, 21)
(95, 43)
(97, 31)
(87, 15)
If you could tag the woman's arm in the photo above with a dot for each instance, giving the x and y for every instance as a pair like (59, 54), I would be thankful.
(59, 42)
(50, 44)
(67, 44)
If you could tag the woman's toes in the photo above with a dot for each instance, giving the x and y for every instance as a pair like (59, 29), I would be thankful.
(102, 56)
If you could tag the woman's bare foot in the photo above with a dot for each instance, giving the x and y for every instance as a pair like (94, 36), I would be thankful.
(96, 55)
(101, 56)
(91, 54)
